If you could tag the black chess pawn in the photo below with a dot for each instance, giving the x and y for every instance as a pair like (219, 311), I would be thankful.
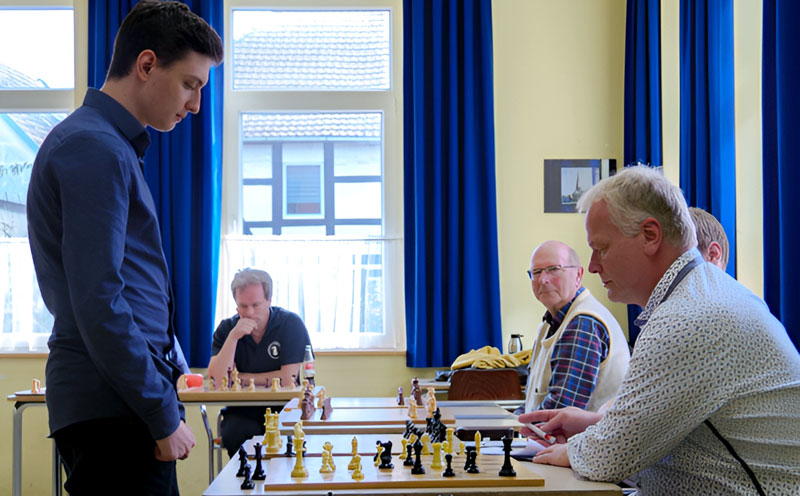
(247, 483)
(242, 461)
(409, 461)
(258, 473)
(507, 470)
(448, 472)
(289, 453)
(473, 465)
(417, 468)
(468, 459)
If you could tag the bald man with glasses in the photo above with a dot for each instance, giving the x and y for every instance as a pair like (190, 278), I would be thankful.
(580, 354)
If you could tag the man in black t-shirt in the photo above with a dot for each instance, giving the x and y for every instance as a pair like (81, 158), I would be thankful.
(262, 342)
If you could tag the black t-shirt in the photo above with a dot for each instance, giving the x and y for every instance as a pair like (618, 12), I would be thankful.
(284, 342)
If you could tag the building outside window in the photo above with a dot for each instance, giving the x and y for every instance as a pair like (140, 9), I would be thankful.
(313, 178)
(37, 81)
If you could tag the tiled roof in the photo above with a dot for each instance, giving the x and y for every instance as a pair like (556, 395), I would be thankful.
(37, 125)
(320, 125)
(12, 78)
(338, 55)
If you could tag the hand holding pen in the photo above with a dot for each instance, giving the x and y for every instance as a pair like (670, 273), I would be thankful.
(560, 424)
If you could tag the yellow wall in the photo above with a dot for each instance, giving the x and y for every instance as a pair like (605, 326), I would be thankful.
(749, 196)
(558, 94)
(558, 86)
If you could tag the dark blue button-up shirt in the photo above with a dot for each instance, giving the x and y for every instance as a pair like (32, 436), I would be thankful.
(96, 248)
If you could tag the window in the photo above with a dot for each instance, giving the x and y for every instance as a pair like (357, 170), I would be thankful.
(313, 178)
(37, 81)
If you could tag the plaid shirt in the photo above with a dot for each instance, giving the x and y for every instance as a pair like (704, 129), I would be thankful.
(576, 359)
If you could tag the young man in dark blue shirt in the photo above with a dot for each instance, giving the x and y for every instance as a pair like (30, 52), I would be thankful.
(97, 251)
(262, 342)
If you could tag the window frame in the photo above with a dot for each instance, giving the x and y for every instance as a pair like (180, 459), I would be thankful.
(388, 102)
(47, 101)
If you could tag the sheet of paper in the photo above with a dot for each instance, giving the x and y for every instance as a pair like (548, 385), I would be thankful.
(520, 452)
(531, 448)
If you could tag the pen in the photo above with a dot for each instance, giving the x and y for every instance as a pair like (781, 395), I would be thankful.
(542, 434)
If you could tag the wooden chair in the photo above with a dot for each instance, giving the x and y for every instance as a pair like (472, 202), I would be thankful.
(485, 384)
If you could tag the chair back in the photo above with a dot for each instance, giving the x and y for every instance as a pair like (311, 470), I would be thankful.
(485, 384)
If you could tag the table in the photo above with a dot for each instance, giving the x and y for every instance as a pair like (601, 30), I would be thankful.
(203, 398)
(23, 400)
(438, 386)
(471, 415)
(557, 481)
(442, 387)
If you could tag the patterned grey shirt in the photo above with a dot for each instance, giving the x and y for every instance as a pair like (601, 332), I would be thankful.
(713, 351)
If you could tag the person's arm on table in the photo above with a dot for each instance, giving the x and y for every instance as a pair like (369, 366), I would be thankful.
(563, 423)
(647, 419)
(222, 361)
(94, 209)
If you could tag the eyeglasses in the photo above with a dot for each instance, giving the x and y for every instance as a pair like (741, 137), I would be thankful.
(552, 270)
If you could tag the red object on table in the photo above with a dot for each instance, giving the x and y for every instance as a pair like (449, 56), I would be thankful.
(194, 380)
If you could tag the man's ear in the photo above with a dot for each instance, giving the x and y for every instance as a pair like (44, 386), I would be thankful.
(145, 63)
(714, 253)
(652, 235)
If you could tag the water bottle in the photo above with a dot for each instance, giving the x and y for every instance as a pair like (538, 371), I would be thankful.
(515, 344)
(307, 371)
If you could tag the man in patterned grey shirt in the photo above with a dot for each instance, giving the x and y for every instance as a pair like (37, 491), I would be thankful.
(711, 362)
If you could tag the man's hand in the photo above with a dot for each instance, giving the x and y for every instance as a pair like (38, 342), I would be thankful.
(554, 455)
(175, 446)
(243, 327)
(562, 423)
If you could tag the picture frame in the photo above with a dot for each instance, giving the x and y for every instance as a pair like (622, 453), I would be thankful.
(565, 180)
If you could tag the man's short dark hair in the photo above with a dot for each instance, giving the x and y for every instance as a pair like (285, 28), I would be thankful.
(709, 230)
(170, 29)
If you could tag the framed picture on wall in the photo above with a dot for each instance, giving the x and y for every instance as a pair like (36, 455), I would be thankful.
(565, 180)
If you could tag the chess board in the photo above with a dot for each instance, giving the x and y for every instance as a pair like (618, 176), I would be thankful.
(337, 402)
(362, 416)
(342, 445)
(202, 394)
(279, 475)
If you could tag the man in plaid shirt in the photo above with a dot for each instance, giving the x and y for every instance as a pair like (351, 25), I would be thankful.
(580, 354)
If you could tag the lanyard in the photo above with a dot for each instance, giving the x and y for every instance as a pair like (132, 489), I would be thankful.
(681, 275)
(678, 278)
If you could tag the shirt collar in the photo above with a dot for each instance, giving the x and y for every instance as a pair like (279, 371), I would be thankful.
(558, 318)
(121, 118)
(663, 285)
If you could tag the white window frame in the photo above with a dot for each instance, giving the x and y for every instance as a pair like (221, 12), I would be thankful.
(45, 101)
(390, 103)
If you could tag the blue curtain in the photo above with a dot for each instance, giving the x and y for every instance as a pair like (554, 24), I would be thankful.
(708, 136)
(642, 98)
(451, 272)
(781, 147)
(643, 83)
(184, 171)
